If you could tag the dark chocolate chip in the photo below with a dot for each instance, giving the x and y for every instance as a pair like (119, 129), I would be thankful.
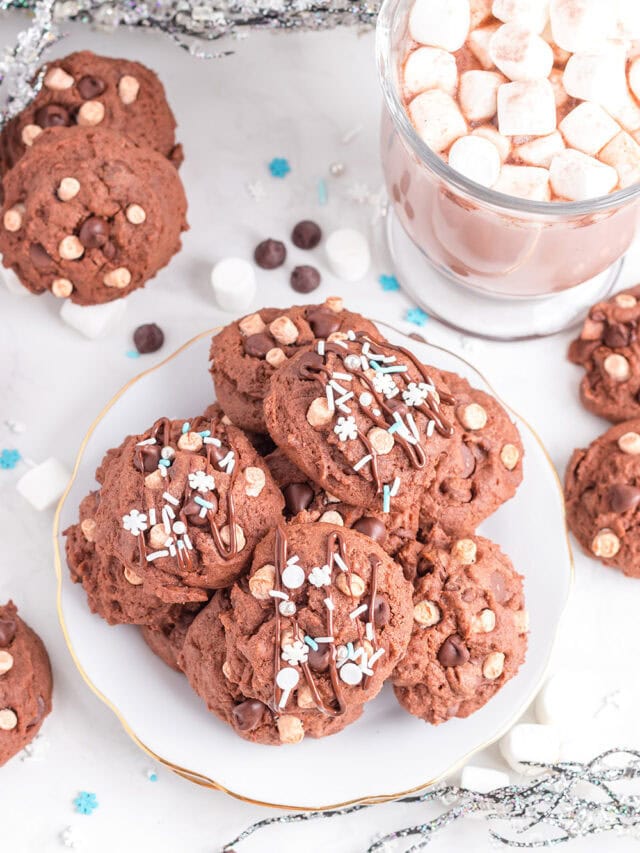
(304, 279)
(247, 715)
(90, 87)
(258, 345)
(306, 234)
(192, 511)
(453, 651)
(109, 250)
(319, 659)
(39, 257)
(371, 527)
(425, 565)
(218, 453)
(40, 709)
(310, 364)
(146, 458)
(94, 232)
(381, 611)
(148, 338)
(323, 322)
(270, 254)
(468, 462)
(617, 335)
(623, 497)
(7, 632)
(396, 406)
(53, 115)
(297, 497)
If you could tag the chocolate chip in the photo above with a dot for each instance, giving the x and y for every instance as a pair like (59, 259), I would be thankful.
(40, 709)
(94, 232)
(90, 87)
(109, 250)
(416, 336)
(310, 364)
(297, 497)
(319, 659)
(247, 714)
(468, 462)
(306, 234)
(371, 527)
(146, 458)
(381, 611)
(270, 254)
(323, 322)
(53, 115)
(617, 335)
(258, 345)
(396, 406)
(39, 257)
(148, 338)
(7, 632)
(453, 651)
(623, 497)
(218, 453)
(425, 565)
(304, 279)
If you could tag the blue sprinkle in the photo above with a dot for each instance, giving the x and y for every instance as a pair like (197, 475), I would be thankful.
(186, 427)
(389, 282)
(9, 459)
(153, 777)
(312, 643)
(394, 427)
(202, 502)
(417, 316)
(374, 364)
(323, 194)
(85, 803)
(397, 368)
(132, 353)
(386, 498)
(166, 463)
(279, 167)
(205, 433)
(350, 650)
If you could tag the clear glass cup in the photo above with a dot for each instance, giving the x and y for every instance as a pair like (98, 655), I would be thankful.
(497, 255)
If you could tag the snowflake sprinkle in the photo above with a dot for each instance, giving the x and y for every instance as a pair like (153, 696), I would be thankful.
(9, 459)
(295, 653)
(279, 167)
(320, 576)
(389, 282)
(415, 394)
(135, 522)
(346, 428)
(417, 316)
(201, 482)
(85, 803)
(384, 384)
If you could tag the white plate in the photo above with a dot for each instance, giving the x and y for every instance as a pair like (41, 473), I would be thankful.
(387, 752)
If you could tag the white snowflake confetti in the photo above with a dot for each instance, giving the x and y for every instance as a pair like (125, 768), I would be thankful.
(346, 428)
(36, 750)
(415, 394)
(295, 653)
(70, 838)
(135, 522)
(320, 576)
(256, 190)
(201, 482)
(385, 384)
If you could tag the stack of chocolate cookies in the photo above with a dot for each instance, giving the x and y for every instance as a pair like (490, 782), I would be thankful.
(92, 205)
(312, 533)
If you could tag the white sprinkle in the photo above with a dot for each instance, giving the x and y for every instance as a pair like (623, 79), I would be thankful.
(329, 392)
(180, 545)
(188, 542)
(224, 462)
(168, 542)
(430, 428)
(166, 520)
(152, 516)
(341, 344)
(275, 593)
(287, 608)
(340, 562)
(351, 335)
(364, 363)
(163, 470)
(172, 550)
(412, 425)
(171, 499)
(355, 613)
(376, 656)
(395, 488)
(329, 604)
(344, 408)
(347, 396)
(321, 347)
(365, 669)
(155, 554)
(365, 399)
(146, 441)
(362, 462)
(210, 440)
(294, 559)
(203, 512)
(231, 464)
(376, 412)
(339, 388)
(358, 653)
(346, 376)
(366, 346)
(368, 630)
(325, 639)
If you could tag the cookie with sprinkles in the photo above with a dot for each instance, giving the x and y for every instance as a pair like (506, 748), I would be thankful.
(166, 641)
(95, 91)
(183, 504)
(483, 467)
(246, 353)
(602, 493)
(89, 215)
(26, 683)
(363, 418)
(469, 626)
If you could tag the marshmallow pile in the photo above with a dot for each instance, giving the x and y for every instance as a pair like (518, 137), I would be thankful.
(538, 99)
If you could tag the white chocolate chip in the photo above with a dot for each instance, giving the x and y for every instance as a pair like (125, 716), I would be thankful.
(132, 577)
(252, 324)
(70, 248)
(284, 330)
(135, 214)
(128, 88)
(240, 538)
(8, 720)
(605, 544)
(334, 303)
(88, 527)
(350, 584)
(90, 113)
(262, 582)
(226, 670)
(483, 622)
(119, 278)
(319, 413)
(426, 613)
(626, 300)
(617, 367)
(191, 441)
(61, 287)
(68, 188)
(13, 218)
(381, 440)
(332, 517)
(473, 416)
(493, 666)
(157, 536)
(304, 697)
(275, 357)
(154, 480)
(630, 443)
(290, 729)
(465, 550)
(6, 662)
(30, 132)
(509, 456)
(521, 621)
(255, 478)
(57, 80)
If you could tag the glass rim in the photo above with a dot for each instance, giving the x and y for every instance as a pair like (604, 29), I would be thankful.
(384, 60)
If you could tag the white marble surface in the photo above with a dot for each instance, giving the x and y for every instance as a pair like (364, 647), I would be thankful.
(293, 96)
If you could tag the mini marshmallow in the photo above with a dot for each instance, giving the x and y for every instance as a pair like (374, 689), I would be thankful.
(482, 779)
(234, 283)
(623, 154)
(348, 254)
(502, 143)
(480, 12)
(440, 23)
(44, 485)
(588, 128)
(568, 700)
(477, 159)
(479, 41)
(529, 182)
(532, 14)
(11, 281)
(625, 111)
(598, 77)
(92, 321)
(634, 76)
(526, 108)
(578, 177)
(530, 742)
(520, 54)
(430, 68)
(540, 151)
(478, 94)
(436, 117)
(579, 25)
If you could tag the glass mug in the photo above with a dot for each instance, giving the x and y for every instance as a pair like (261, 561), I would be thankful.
(493, 244)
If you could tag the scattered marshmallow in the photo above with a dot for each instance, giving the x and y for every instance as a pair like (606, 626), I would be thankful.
(92, 321)
(482, 779)
(234, 283)
(44, 484)
(440, 23)
(479, 41)
(578, 177)
(526, 108)
(430, 68)
(480, 12)
(520, 54)
(502, 143)
(540, 151)
(12, 282)
(532, 14)
(477, 159)
(588, 128)
(478, 94)
(529, 182)
(626, 112)
(578, 25)
(598, 77)
(623, 154)
(348, 254)
(437, 118)
(568, 700)
(530, 742)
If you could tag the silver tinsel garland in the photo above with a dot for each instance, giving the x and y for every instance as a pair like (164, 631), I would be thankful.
(563, 802)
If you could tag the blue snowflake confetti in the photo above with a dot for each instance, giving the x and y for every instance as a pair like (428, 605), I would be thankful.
(132, 353)
(9, 459)
(417, 316)
(85, 803)
(279, 167)
(389, 282)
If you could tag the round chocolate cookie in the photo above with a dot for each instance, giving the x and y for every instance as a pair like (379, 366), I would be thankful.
(247, 353)
(95, 91)
(25, 683)
(483, 467)
(469, 626)
(90, 215)
(609, 352)
(306, 502)
(362, 418)
(167, 641)
(602, 493)
(310, 635)
(183, 504)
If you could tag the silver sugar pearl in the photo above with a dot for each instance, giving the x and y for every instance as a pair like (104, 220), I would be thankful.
(336, 169)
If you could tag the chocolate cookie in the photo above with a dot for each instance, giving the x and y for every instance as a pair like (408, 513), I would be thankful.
(306, 502)
(167, 641)
(609, 351)
(483, 466)
(183, 504)
(90, 215)
(310, 635)
(95, 91)
(469, 627)
(363, 418)
(246, 354)
(602, 492)
(25, 683)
